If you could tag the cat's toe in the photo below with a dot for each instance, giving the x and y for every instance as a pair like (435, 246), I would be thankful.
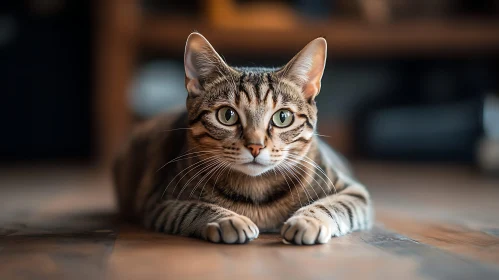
(236, 229)
(305, 230)
(213, 232)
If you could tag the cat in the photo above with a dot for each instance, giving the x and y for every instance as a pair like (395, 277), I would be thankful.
(243, 158)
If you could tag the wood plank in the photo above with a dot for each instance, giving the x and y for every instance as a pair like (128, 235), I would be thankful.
(379, 252)
(433, 262)
(345, 37)
(454, 193)
(71, 246)
(58, 223)
(116, 53)
(154, 255)
(75, 255)
(454, 238)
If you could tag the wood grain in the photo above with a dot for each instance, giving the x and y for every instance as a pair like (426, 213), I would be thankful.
(345, 37)
(454, 238)
(116, 54)
(59, 223)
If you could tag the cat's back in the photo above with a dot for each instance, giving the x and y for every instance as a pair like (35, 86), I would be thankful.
(146, 147)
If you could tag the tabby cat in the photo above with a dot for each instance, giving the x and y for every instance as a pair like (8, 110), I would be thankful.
(243, 159)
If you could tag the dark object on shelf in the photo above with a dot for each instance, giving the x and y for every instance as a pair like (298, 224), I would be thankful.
(488, 146)
(433, 132)
(187, 7)
(45, 103)
(433, 112)
(315, 9)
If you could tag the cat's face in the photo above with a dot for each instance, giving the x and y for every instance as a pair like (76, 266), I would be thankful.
(252, 120)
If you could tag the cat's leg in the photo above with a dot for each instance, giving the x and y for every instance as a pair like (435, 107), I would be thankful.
(347, 210)
(202, 220)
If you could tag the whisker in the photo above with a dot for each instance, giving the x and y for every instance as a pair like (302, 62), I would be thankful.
(314, 172)
(216, 163)
(322, 135)
(309, 183)
(219, 169)
(313, 163)
(187, 156)
(299, 181)
(292, 167)
(192, 155)
(187, 168)
(212, 172)
(298, 161)
(216, 180)
(177, 158)
(175, 129)
(292, 196)
(208, 166)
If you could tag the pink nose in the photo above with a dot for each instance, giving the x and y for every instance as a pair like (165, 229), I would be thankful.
(255, 149)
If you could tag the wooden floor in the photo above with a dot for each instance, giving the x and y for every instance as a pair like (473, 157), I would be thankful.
(433, 222)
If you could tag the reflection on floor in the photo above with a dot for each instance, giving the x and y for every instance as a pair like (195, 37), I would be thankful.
(433, 222)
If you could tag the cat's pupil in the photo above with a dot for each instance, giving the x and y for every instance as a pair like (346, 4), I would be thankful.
(282, 117)
(228, 114)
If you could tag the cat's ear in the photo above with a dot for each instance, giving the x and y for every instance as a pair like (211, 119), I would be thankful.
(201, 62)
(307, 67)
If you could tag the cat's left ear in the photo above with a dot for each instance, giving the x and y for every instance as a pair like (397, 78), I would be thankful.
(201, 63)
(307, 67)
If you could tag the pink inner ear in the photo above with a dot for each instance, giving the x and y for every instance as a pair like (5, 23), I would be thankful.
(195, 47)
(308, 66)
(313, 85)
(310, 90)
(190, 71)
(193, 86)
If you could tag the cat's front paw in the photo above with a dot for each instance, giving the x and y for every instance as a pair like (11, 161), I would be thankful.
(304, 230)
(235, 229)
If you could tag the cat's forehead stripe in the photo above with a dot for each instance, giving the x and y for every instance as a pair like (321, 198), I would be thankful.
(254, 89)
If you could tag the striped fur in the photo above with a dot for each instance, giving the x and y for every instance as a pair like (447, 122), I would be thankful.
(188, 174)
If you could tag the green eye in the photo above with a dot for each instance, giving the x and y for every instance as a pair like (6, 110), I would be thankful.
(227, 116)
(282, 118)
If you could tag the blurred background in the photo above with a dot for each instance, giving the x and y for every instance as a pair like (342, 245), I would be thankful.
(410, 94)
(405, 80)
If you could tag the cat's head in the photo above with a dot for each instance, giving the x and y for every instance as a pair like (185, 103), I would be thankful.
(251, 119)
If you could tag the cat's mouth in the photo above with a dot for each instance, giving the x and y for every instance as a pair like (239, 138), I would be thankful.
(254, 163)
(252, 168)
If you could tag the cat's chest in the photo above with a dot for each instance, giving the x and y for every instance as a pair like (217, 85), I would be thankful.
(268, 217)
(266, 203)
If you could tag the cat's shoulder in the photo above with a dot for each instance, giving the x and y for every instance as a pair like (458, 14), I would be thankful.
(154, 130)
(333, 158)
(161, 123)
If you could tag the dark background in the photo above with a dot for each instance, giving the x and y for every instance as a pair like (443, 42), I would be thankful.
(45, 77)
(413, 103)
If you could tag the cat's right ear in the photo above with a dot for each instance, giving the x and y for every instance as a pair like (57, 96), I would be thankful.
(307, 67)
(201, 63)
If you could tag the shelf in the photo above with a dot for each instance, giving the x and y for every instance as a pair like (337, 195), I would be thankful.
(345, 38)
